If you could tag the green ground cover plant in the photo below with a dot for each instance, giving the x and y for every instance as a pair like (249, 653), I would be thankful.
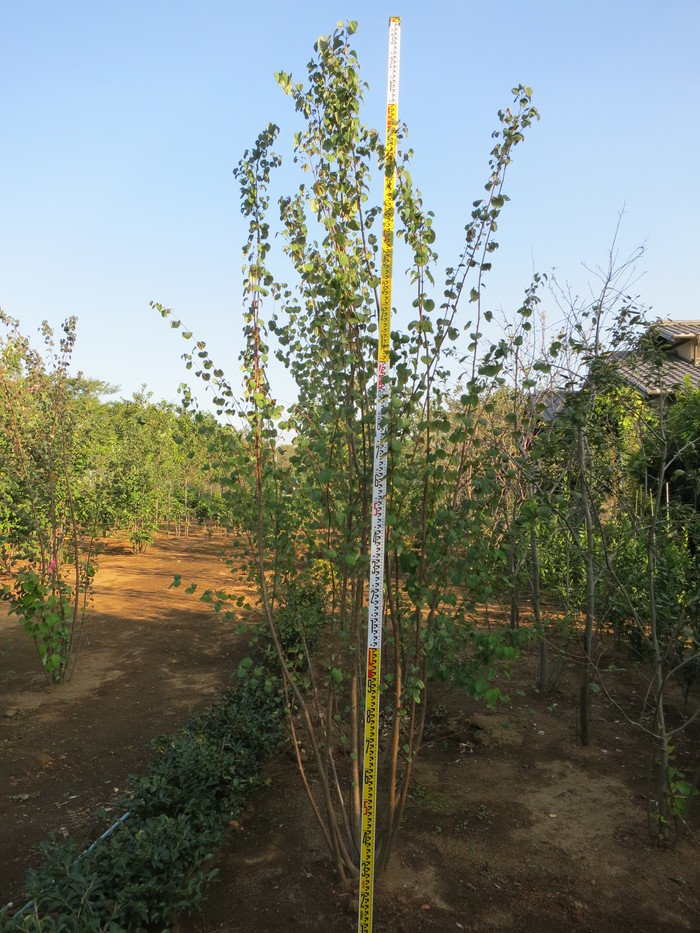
(156, 862)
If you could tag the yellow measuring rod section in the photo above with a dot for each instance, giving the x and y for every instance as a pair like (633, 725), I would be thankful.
(376, 577)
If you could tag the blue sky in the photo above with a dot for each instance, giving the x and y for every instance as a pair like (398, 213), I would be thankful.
(121, 123)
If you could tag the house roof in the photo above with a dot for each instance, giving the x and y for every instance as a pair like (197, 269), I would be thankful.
(552, 403)
(648, 377)
(678, 331)
(645, 377)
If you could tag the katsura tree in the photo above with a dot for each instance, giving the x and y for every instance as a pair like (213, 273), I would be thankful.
(596, 331)
(631, 546)
(521, 420)
(307, 514)
(650, 577)
(51, 534)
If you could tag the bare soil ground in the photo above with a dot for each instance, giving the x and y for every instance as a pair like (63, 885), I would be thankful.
(512, 825)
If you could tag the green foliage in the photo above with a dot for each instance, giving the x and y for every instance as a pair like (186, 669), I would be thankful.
(155, 864)
(676, 443)
(312, 502)
(475, 660)
(152, 466)
(301, 615)
(141, 539)
(45, 612)
(625, 594)
(52, 510)
(680, 792)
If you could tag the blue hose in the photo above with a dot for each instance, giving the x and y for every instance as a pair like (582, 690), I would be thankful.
(105, 835)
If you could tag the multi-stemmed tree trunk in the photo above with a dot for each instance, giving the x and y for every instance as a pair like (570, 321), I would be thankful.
(315, 510)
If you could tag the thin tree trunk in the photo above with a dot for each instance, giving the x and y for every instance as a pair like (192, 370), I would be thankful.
(537, 609)
(585, 688)
(658, 661)
(187, 514)
(514, 594)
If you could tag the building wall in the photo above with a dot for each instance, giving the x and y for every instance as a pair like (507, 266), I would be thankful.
(690, 350)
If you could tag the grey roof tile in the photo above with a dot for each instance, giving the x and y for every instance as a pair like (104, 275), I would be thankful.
(677, 331)
(648, 378)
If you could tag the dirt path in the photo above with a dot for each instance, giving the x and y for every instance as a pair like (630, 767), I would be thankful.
(152, 655)
(511, 825)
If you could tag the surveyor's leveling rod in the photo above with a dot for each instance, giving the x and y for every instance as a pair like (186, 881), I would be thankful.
(376, 577)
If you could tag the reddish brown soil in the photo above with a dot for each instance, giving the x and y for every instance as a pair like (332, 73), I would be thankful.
(151, 655)
(512, 826)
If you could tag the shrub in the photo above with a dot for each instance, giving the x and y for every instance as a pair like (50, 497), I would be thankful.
(154, 865)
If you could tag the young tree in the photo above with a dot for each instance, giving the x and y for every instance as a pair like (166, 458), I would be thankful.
(312, 514)
(596, 330)
(615, 515)
(53, 523)
(652, 583)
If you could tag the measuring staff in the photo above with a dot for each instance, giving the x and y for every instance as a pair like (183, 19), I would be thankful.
(376, 578)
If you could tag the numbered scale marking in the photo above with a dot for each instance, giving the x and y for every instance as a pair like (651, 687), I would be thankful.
(376, 578)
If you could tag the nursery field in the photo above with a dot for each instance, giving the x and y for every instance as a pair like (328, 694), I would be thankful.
(511, 824)
(152, 654)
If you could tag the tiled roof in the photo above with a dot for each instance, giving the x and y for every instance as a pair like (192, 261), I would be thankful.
(645, 376)
(649, 378)
(552, 403)
(677, 331)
